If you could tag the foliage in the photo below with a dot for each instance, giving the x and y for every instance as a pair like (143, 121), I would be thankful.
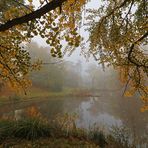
(35, 127)
(55, 74)
(31, 128)
(56, 26)
(5, 129)
(118, 38)
(51, 74)
(14, 60)
(5, 6)
(122, 136)
(118, 34)
(98, 137)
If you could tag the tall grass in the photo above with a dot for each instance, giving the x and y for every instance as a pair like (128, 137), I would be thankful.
(30, 129)
(6, 129)
(98, 137)
(33, 128)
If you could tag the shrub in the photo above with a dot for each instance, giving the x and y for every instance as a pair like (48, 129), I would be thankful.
(31, 128)
(121, 135)
(98, 137)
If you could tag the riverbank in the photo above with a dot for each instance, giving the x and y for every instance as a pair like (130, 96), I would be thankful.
(49, 143)
(35, 131)
(38, 132)
(39, 93)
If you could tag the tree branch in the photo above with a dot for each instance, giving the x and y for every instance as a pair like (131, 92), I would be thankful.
(116, 8)
(50, 63)
(12, 73)
(21, 4)
(31, 16)
(131, 50)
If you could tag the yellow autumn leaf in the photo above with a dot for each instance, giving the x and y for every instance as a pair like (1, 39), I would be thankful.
(128, 94)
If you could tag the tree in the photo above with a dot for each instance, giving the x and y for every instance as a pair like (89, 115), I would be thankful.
(51, 74)
(72, 75)
(54, 74)
(5, 6)
(56, 21)
(14, 60)
(117, 37)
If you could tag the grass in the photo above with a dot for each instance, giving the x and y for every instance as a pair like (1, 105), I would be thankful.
(49, 143)
(31, 128)
(6, 129)
(39, 93)
(98, 137)
(34, 131)
(66, 92)
(4, 98)
(37, 132)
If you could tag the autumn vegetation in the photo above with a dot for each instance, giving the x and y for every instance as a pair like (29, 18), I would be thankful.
(36, 131)
(118, 34)
(117, 38)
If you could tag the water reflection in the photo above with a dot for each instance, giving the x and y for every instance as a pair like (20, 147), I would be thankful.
(94, 110)
(90, 115)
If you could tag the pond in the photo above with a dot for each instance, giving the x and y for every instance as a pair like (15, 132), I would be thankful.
(104, 110)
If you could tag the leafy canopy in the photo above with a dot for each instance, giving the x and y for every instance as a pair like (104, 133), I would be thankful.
(118, 33)
(118, 37)
(20, 23)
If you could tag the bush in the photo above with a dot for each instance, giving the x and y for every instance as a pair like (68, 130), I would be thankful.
(31, 128)
(122, 136)
(98, 137)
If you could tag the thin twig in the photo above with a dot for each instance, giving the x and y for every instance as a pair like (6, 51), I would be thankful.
(23, 5)
(131, 50)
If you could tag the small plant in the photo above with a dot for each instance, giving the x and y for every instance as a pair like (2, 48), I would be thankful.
(31, 128)
(121, 136)
(98, 137)
(65, 123)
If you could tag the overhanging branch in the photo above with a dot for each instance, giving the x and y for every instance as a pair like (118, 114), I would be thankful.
(131, 50)
(21, 4)
(31, 16)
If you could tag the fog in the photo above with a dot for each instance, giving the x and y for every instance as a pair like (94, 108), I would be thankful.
(59, 74)
(63, 86)
(75, 90)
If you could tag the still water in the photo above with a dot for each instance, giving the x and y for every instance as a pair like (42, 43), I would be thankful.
(105, 110)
